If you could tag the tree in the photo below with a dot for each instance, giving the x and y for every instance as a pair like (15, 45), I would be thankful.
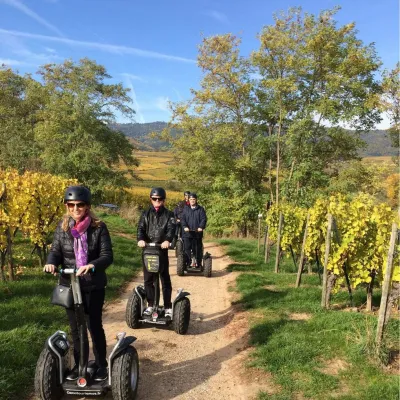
(319, 77)
(73, 130)
(218, 140)
(390, 102)
(18, 148)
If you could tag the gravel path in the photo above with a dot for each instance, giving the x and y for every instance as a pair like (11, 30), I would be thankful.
(207, 362)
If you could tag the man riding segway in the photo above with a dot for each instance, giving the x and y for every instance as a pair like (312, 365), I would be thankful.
(194, 221)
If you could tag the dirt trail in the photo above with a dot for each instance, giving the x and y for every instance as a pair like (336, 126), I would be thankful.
(207, 362)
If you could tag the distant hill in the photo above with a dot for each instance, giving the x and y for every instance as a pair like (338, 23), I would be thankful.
(378, 142)
(140, 134)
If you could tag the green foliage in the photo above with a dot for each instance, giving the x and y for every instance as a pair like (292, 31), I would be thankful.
(61, 125)
(390, 102)
(308, 353)
(231, 207)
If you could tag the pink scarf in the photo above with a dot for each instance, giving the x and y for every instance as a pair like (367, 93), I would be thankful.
(80, 240)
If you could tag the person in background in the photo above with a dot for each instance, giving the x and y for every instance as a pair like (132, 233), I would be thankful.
(178, 211)
(194, 221)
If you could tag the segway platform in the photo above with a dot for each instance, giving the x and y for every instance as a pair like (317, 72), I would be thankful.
(94, 388)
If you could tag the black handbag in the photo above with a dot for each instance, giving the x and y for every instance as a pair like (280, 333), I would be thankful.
(62, 296)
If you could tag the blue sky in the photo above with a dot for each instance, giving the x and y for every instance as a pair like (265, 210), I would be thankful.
(151, 46)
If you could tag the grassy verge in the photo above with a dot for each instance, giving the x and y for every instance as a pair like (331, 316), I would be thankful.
(310, 353)
(27, 318)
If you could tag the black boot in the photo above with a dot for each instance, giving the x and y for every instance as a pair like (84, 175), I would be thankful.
(101, 374)
(73, 374)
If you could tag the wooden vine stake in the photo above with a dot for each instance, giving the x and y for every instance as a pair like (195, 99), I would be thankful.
(384, 310)
(266, 248)
(301, 262)
(278, 243)
(324, 300)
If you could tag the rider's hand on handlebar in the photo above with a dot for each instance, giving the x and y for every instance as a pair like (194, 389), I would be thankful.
(199, 230)
(50, 268)
(165, 245)
(141, 243)
(84, 269)
(186, 229)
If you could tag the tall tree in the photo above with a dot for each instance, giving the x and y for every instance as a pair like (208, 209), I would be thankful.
(73, 128)
(318, 76)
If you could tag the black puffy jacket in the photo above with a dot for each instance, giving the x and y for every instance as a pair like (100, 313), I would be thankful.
(156, 227)
(194, 218)
(100, 255)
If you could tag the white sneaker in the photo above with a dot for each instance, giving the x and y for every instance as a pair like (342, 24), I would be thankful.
(168, 312)
(148, 311)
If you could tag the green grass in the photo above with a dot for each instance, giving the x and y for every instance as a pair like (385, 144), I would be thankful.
(27, 318)
(298, 352)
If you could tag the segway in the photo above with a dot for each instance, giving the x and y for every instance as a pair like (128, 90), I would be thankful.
(51, 368)
(137, 301)
(205, 268)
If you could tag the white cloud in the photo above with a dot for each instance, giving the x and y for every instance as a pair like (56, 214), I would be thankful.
(180, 98)
(135, 103)
(109, 48)
(26, 10)
(162, 103)
(133, 77)
(218, 16)
(12, 63)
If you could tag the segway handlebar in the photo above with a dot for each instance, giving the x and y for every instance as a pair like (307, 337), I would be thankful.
(158, 245)
(67, 271)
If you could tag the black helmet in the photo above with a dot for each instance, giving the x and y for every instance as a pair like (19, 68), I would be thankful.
(158, 191)
(78, 193)
(194, 195)
(186, 193)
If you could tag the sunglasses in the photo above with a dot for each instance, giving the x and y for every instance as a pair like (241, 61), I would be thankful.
(157, 199)
(79, 205)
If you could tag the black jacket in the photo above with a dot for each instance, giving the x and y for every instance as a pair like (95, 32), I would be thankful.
(100, 255)
(178, 211)
(156, 227)
(194, 218)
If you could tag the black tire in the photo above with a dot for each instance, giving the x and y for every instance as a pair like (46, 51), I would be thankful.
(180, 265)
(47, 385)
(182, 316)
(207, 265)
(178, 248)
(125, 375)
(133, 311)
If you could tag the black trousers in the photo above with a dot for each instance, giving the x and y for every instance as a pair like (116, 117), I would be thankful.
(194, 244)
(150, 278)
(93, 305)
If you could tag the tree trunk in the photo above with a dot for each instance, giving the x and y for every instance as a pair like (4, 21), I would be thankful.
(278, 158)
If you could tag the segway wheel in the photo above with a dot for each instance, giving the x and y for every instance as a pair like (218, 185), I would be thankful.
(178, 248)
(182, 316)
(133, 311)
(180, 265)
(125, 375)
(207, 267)
(47, 386)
